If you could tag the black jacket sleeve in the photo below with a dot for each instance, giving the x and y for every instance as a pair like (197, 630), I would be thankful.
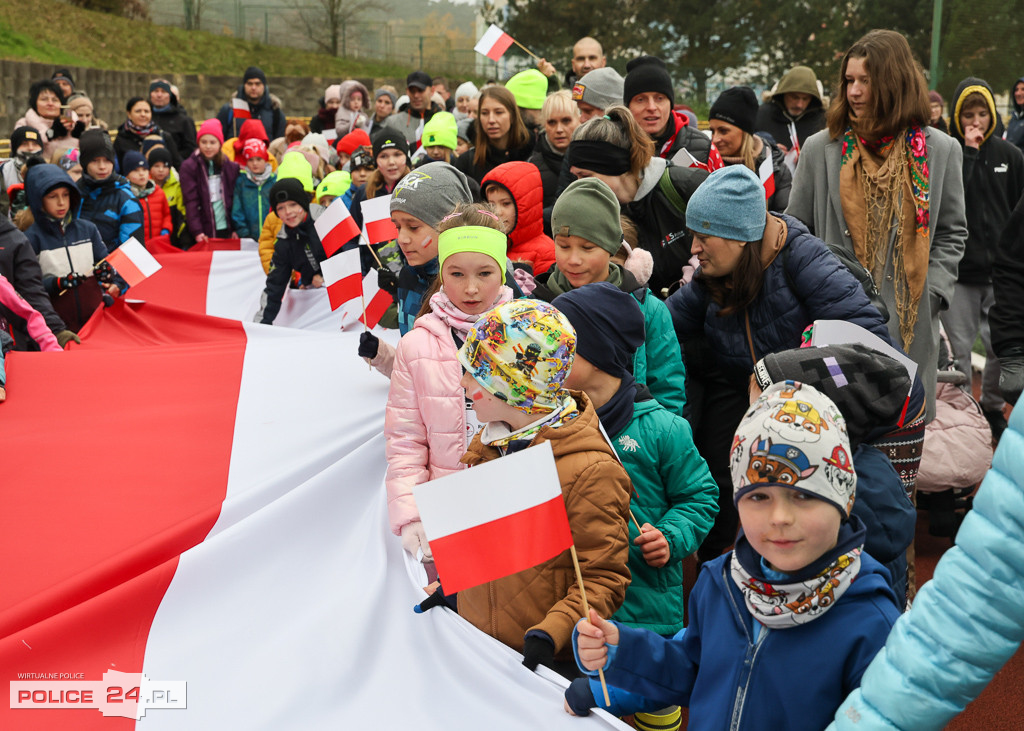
(18, 263)
(1006, 317)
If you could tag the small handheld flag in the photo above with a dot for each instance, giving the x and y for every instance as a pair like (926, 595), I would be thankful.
(335, 227)
(377, 224)
(133, 262)
(494, 43)
(342, 277)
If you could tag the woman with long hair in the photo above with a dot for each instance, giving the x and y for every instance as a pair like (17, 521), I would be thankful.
(652, 191)
(501, 135)
(883, 185)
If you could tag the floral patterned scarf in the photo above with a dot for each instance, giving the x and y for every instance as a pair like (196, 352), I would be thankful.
(884, 185)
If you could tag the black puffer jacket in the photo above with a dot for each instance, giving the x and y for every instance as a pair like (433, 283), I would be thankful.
(176, 123)
(19, 265)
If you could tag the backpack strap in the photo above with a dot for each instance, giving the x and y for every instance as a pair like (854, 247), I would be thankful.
(666, 186)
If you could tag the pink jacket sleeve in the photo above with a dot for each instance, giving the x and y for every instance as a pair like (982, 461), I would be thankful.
(34, 322)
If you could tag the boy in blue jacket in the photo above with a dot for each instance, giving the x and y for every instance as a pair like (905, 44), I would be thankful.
(783, 627)
(107, 199)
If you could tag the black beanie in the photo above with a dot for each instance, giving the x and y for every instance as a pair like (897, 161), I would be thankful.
(95, 143)
(647, 73)
(254, 72)
(868, 387)
(736, 106)
(38, 88)
(289, 189)
(22, 135)
(64, 74)
(389, 140)
(609, 325)
(161, 84)
(158, 154)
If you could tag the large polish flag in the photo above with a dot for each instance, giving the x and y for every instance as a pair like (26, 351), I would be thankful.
(208, 516)
(496, 519)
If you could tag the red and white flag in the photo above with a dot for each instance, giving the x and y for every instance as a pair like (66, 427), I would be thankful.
(342, 277)
(331, 135)
(494, 43)
(240, 108)
(377, 224)
(766, 172)
(377, 300)
(133, 262)
(335, 227)
(495, 519)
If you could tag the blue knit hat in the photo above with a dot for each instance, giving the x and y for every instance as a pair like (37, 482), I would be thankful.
(729, 204)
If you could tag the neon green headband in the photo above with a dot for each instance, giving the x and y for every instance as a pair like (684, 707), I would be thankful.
(477, 239)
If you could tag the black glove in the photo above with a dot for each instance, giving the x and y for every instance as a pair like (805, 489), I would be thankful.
(66, 336)
(437, 599)
(538, 651)
(579, 696)
(369, 345)
(70, 281)
(104, 272)
(387, 281)
(1011, 377)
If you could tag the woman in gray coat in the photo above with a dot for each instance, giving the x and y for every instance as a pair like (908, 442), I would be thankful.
(880, 183)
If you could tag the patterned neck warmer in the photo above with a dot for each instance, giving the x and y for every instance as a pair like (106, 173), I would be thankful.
(498, 434)
(810, 592)
(140, 131)
(455, 318)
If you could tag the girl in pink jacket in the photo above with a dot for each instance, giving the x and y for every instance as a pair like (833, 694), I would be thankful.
(15, 310)
(428, 423)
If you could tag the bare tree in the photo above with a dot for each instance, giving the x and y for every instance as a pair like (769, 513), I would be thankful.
(327, 21)
(194, 13)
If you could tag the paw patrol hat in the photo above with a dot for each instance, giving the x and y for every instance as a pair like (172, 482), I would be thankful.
(521, 352)
(794, 436)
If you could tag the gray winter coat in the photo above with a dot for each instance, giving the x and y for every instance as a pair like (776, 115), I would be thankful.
(814, 199)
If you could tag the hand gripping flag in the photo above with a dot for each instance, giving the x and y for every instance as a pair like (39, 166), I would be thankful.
(494, 43)
(496, 519)
(342, 278)
(133, 262)
(335, 227)
(377, 225)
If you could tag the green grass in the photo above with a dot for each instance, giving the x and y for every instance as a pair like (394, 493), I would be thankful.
(62, 34)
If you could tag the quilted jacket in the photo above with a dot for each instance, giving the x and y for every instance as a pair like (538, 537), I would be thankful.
(547, 597)
(806, 285)
(527, 241)
(425, 419)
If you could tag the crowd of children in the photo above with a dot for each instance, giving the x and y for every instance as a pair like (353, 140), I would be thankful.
(542, 292)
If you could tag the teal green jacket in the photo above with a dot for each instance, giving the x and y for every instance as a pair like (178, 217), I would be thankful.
(658, 363)
(677, 495)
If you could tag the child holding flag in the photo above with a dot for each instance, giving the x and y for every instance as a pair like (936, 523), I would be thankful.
(429, 422)
(298, 247)
(516, 358)
(419, 201)
(782, 628)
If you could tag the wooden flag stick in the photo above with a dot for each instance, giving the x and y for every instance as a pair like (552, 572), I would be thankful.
(362, 298)
(586, 612)
(531, 53)
(370, 247)
(635, 522)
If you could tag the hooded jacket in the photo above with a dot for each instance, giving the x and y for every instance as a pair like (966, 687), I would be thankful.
(195, 190)
(111, 206)
(346, 120)
(790, 678)
(527, 241)
(806, 285)
(63, 247)
(773, 118)
(549, 161)
(660, 224)
(546, 598)
(178, 125)
(251, 203)
(993, 183)
(267, 110)
(680, 135)
(19, 265)
(1015, 129)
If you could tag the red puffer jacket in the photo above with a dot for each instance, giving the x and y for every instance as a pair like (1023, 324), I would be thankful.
(527, 241)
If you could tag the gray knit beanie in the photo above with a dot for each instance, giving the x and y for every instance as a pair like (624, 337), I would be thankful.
(730, 204)
(431, 192)
(589, 209)
(599, 88)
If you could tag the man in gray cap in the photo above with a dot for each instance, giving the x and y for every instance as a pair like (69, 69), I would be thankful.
(409, 118)
(596, 91)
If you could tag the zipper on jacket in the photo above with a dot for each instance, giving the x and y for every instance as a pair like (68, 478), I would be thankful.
(749, 659)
